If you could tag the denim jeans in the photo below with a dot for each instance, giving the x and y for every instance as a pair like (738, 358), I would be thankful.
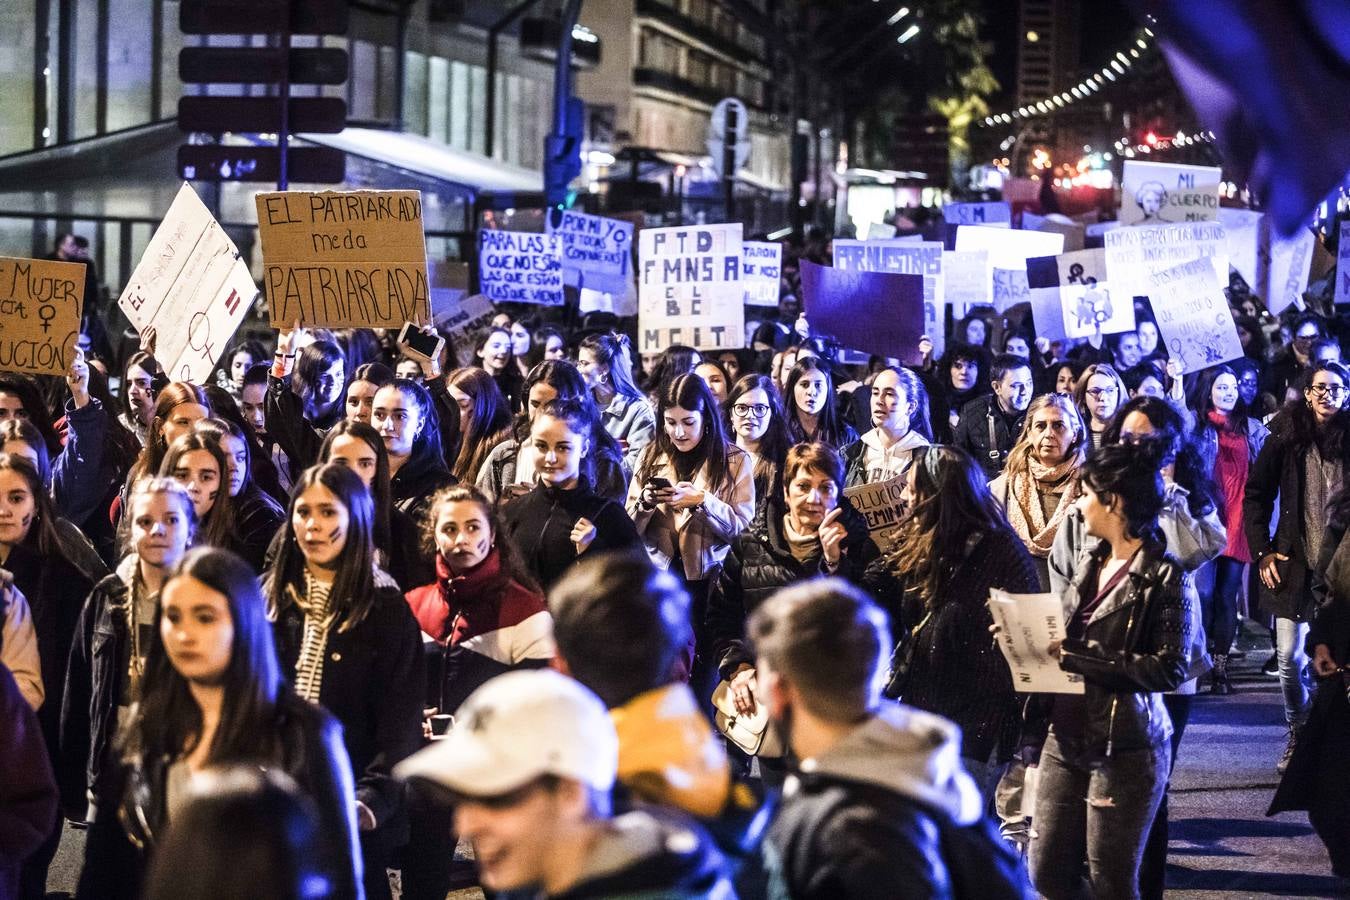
(1291, 657)
(1100, 814)
(1219, 601)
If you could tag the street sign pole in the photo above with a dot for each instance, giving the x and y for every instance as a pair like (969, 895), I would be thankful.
(284, 134)
(729, 135)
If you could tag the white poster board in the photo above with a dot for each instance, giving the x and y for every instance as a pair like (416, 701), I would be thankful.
(520, 267)
(689, 288)
(1282, 266)
(597, 252)
(1134, 254)
(997, 215)
(1193, 317)
(1008, 252)
(192, 287)
(1028, 624)
(1242, 234)
(1166, 192)
(965, 280)
(1342, 274)
(761, 272)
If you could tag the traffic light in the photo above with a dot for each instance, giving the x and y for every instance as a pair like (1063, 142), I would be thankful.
(278, 113)
(562, 154)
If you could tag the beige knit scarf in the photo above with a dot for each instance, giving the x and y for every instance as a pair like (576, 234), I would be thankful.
(1026, 512)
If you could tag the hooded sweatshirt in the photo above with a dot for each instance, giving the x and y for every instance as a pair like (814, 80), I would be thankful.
(869, 815)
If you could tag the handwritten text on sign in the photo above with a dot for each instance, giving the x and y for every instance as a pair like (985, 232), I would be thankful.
(902, 258)
(191, 287)
(518, 267)
(761, 272)
(40, 306)
(596, 252)
(1193, 316)
(689, 288)
(880, 503)
(344, 259)
(1134, 254)
(1163, 192)
(1027, 625)
(1343, 265)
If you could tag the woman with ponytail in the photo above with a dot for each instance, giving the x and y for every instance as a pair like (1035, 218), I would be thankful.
(606, 363)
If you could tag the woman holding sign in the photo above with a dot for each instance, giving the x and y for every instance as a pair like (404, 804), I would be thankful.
(692, 493)
(952, 549)
(1104, 762)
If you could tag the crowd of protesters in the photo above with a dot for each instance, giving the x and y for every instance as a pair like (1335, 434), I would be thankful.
(616, 622)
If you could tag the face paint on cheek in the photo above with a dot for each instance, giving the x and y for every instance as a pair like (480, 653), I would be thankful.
(26, 520)
(334, 535)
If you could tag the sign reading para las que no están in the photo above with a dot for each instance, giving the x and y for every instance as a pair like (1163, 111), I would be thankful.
(344, 259)
(40, 306)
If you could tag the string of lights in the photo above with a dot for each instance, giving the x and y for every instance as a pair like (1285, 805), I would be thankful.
(1121, 64)
(1156, 143)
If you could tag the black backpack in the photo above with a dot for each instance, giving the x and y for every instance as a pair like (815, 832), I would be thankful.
(981, 864)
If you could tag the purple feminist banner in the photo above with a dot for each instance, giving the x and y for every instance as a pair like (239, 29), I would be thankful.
(876, 312)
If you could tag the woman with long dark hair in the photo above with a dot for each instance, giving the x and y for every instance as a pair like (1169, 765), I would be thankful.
(1301, 463)
(366, 381)
(396, 534)
(346, 636)
(179, 406)
(142, 380)
(257, 517)
(1228, 440)
(811, 406)
(692, 493)
(483, 419)
(753, 417)
(1125, 627)
(509, 470)
(900, 429)
(952, 549)
(405, 417)
(197, 462)
(563, 518)
(115, 631)
(212, 694)
(306, 391)
(493, 355)
(605, 361)
(960, 377)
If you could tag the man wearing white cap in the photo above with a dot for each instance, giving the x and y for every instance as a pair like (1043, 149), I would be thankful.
(530, 764)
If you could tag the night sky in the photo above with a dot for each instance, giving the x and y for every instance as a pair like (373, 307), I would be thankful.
(1106, 25)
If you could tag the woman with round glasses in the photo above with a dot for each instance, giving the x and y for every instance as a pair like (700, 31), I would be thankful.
(1301, 463)
(1098, 394)
(754, 419)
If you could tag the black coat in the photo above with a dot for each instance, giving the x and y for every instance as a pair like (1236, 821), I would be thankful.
(133, 804)
(540, 525)
(412, 488)
(257, 519)
(758, 564)
(374, 680)
(972, 433)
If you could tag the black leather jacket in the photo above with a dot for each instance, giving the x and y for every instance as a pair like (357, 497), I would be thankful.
(133, 806)
(1133, 648)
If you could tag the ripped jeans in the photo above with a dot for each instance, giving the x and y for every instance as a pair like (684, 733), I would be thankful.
(1102, 815)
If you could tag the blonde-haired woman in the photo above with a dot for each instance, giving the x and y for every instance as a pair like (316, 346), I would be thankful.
(1039, 484)
(1098, 393)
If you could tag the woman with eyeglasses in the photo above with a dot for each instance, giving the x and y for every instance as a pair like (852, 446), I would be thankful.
(1099, 392)
(900, 429)
(1301, 464)
(753, 416)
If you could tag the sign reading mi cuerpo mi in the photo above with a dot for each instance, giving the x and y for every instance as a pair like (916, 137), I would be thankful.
(344, 259)
(40, 306)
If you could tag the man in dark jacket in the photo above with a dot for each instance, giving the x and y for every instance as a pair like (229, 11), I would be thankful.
(531, 762)
(880, 799)
(28, 797)
(989, 425)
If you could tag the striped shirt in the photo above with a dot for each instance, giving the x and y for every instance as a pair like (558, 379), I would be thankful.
(309, 664)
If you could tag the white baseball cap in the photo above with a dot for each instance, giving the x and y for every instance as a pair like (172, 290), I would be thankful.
(516, 728)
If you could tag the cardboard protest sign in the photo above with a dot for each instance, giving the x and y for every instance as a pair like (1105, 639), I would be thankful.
(1008, 252)
(761, 272)
(998, 215)
(1086, 303)
(1133, 254)
(965, 280)
(41, 302)
(1282, 267)
(597, 252)
(191, 287)
(689, 287)
(905, 258)
(881, 504)
(344, 258)
(520, 267)
(1342, 273)
(463, 319)
(1193, 316)
(877, 312)
(1164, 192)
